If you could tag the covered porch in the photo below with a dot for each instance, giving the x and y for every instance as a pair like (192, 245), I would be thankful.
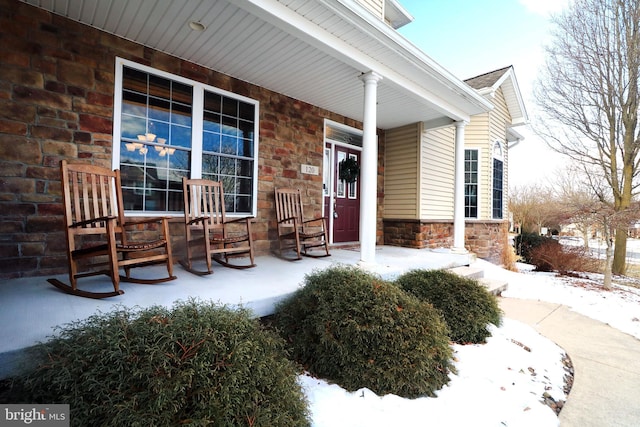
(30, 308)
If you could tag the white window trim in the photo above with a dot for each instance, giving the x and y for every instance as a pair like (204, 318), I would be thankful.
(500, 145)
(197, 125)
(478, 184)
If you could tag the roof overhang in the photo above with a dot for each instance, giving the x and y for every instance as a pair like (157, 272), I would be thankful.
(396, 15)
(512, 96)
(311, 50)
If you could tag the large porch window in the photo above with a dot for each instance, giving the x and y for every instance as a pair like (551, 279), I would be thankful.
(167, 127)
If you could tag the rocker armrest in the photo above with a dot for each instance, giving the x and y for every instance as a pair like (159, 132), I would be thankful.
(92, 221)
(244, 218)
(197, 220)
(291, 218)
(324, 218)
(137, 221)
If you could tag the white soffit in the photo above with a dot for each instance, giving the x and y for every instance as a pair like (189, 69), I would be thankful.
(311, 50)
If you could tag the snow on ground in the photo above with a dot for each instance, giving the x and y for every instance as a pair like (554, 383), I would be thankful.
(499, 383)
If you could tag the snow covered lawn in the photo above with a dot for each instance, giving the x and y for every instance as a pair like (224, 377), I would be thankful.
(498, 383)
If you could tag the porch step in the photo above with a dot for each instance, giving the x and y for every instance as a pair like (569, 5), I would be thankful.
(468, 272)
(494, 286)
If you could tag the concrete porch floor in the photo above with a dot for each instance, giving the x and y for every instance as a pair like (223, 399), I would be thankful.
(30, 308)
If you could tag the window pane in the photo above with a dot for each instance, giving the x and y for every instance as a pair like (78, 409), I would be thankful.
(159, 109)
(229, 107)
(134, 103)
(180, 136)
(160, 130)
(246, 111)
(212, 122)
(228, 145)
(156, 118)
(181, 114)
(211, 142)
(227, 166)
(133, 126)
(245, 168)
(471, 183)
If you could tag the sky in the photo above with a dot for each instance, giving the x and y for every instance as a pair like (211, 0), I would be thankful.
(470, 37)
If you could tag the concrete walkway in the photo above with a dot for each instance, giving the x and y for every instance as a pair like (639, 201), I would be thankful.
(606, 388)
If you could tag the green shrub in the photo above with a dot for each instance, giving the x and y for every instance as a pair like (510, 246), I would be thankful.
(527, 242)
(352, 328)
(466, 306)
(195, 364)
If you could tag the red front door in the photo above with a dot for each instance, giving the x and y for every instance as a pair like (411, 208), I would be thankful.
(346, 199)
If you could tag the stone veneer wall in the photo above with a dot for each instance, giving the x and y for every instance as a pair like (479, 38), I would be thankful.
(56, 102)
(484, 238)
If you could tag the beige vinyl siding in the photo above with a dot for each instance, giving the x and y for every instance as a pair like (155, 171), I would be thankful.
(437, 174)
(481, 134)
(500, 119)
(375, 6)
(477, 137)
(401, 172)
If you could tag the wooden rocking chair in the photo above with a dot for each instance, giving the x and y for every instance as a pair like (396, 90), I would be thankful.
(95, 229)
(294, 232)
(223, 238)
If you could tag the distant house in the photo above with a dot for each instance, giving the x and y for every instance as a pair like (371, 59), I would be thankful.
(258, 95)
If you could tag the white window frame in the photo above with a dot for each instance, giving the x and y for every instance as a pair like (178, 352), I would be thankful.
(199, 90)
(478, 198)
(497, 154)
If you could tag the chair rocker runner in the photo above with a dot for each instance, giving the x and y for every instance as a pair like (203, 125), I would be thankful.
(99, 238)
(206, 225)
(294, 232)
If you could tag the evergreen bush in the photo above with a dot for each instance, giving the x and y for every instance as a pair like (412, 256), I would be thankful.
(526, 242)
(467, 307)
(352, 328)
(196, 364)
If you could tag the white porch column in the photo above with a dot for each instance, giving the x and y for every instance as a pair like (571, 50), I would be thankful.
(458, 206)
(369, 170)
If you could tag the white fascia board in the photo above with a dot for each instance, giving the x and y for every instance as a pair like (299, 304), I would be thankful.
(513, 82)
(396, 14)
(288, 20)
(513, 137)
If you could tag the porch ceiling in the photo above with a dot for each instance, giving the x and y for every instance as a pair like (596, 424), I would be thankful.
(311, 50)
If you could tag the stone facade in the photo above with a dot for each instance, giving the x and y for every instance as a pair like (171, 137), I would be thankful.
(418, 234)
(56, 102)
(484, 238)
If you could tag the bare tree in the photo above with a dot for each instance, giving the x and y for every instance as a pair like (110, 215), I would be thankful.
(577, 202)
(530, 206)
(588, 94)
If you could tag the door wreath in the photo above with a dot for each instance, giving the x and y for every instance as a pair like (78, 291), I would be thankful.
(348, 169)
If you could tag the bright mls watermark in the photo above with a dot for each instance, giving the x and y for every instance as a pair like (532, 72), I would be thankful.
(34, 415)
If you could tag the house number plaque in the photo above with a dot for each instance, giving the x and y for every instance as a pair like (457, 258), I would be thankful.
(310, 170)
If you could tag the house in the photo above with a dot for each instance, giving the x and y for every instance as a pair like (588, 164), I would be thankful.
(420, 174)
(257, 94)
(487, 142)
